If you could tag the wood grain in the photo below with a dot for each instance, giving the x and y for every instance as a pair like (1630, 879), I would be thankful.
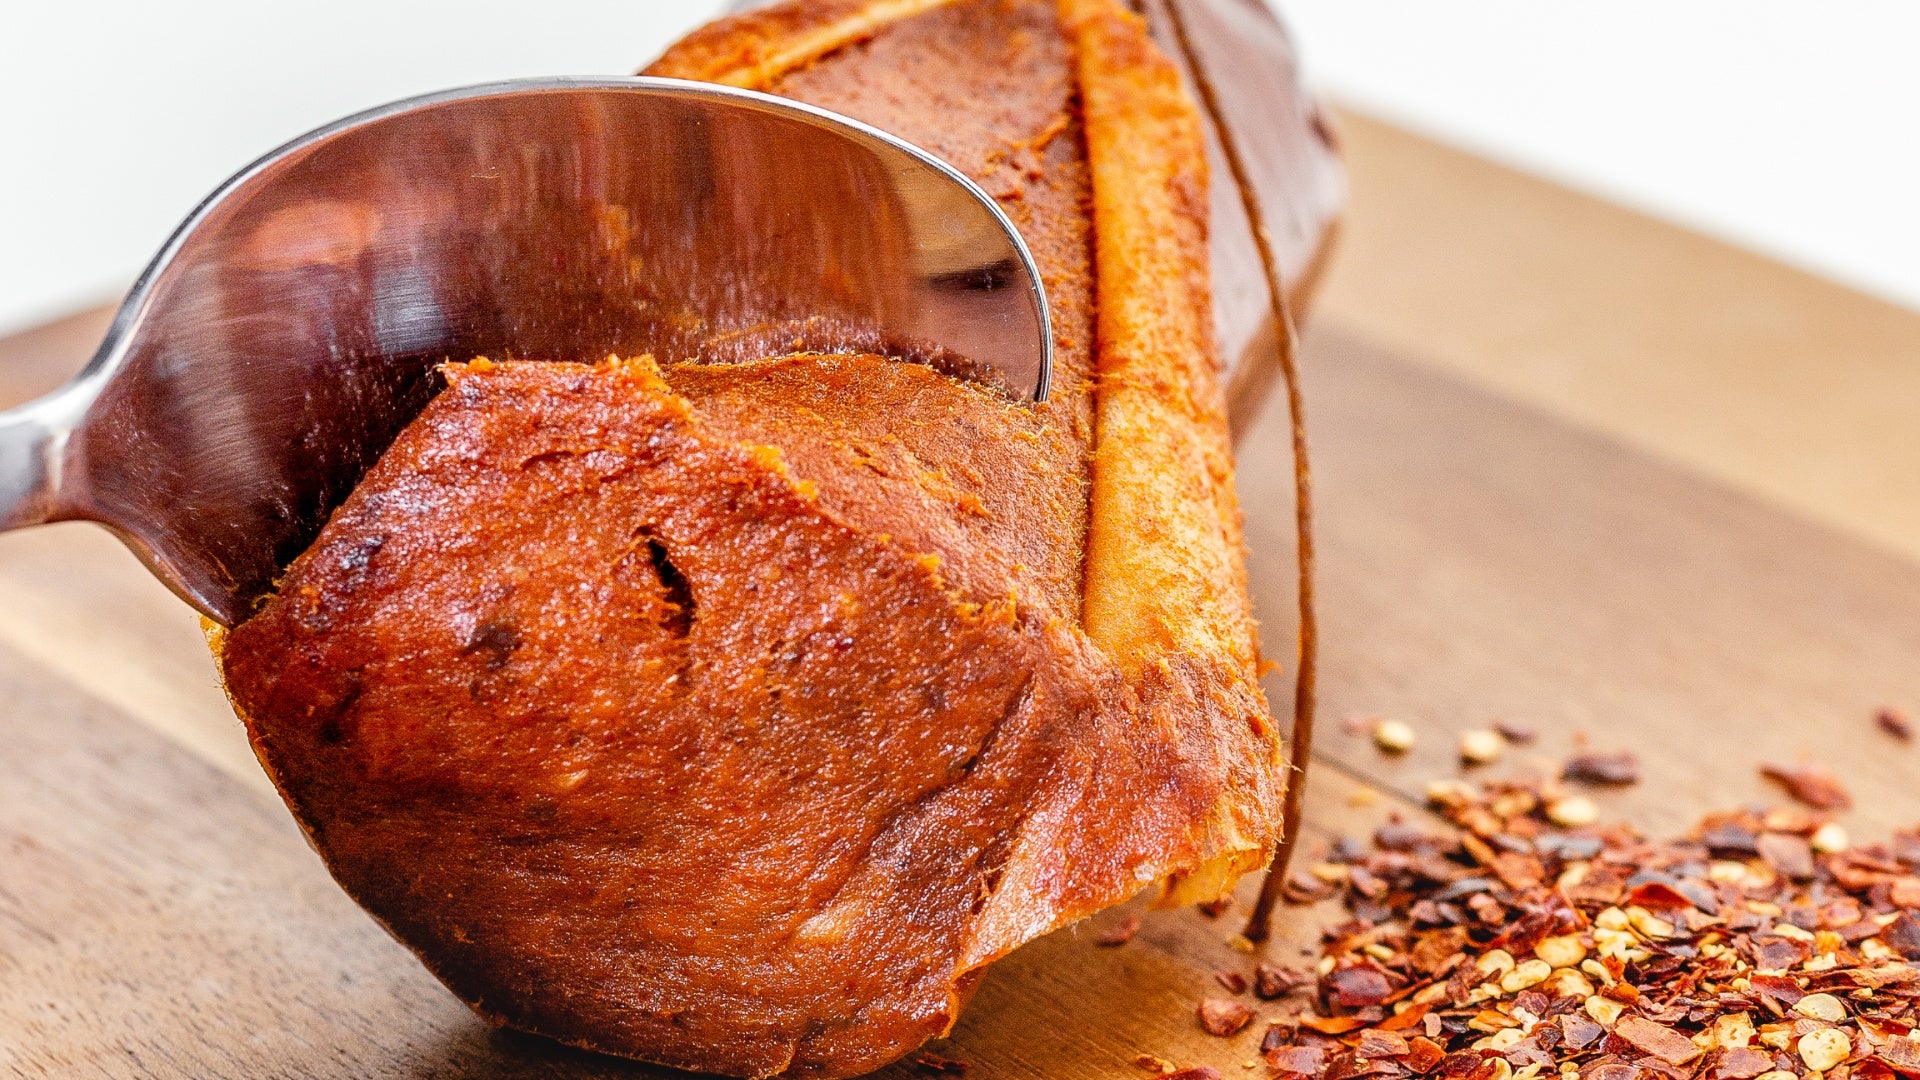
(159, 918)
(1485, 561)
(1560, 562)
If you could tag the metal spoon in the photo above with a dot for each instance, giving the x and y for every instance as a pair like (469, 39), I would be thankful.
(293, 324)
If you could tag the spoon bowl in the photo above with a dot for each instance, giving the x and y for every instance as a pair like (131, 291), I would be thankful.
(295, 323)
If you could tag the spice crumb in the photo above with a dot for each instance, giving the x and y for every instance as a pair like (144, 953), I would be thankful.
(1120, 932)
(1231, 981)
(1517, 734)
(1274, 981)
(1223, 1017)
(1393, 736)
(1895, 723)
(1481, 746)
(1216, 907)
(1572, 811)
(1811, 784)
(1762, 944)
(1620, 768)
(1828, 839)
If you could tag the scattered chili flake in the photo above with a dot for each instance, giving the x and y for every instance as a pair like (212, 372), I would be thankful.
(1221, 1016)
(1781, 991)
(1894, 722)
(1620, 768)
(1788, 854)
(1272, 981)
(1902, 935)
(934, 1063)
(1657, 1039)
(1902, 1054)
(1232, 981)
(1379, 1044)
(1297, 1060)
(1120, 932)
(1306, 889)
(1780, 953)
(1741, 1063)
(1332, 1025)
(1811, 784)
(1423, 1054)
(1579, 1031)
(1517, 947)
(1356, 987)
(1149, 1063)
(1658, 895)
(1198, 1072)
(1213, 909)
(1394, 736)
(1517, 734)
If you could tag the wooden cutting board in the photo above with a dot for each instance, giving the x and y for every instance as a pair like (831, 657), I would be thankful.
(1577, 469)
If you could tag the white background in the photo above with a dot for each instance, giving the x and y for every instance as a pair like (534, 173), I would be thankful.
(1792, 126)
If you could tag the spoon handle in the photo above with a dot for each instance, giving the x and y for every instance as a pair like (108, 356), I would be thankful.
(32, 440)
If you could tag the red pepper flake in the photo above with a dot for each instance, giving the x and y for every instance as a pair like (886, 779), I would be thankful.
(1620, 768)
(1902, 935)
(1435, 948)
(1786, 853)
(1363, 882)
(1120, 932)
(1198, 1072)
(1811, 784)
(1279, 1035)
(1379, 1044)
(1742, 1063)
(1356, 987)
(1406, 1018)
(1271, 981)
(1423, 1054)
(1232, 981)
(1215, 908)
(1223, 1017)
(1296, 1060)
(1657, 1039)
(1437, 973)
(1658, 895)
(934, 1063)
(1579, 1032)
(1332, 1025)
(1872, 1069)
(1779, 953)
(1901, 1054)
(1305, 889)
(1518, 871)
(1149, 1063)
(1780, 989)
(1517, 734)
(1894, 722)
